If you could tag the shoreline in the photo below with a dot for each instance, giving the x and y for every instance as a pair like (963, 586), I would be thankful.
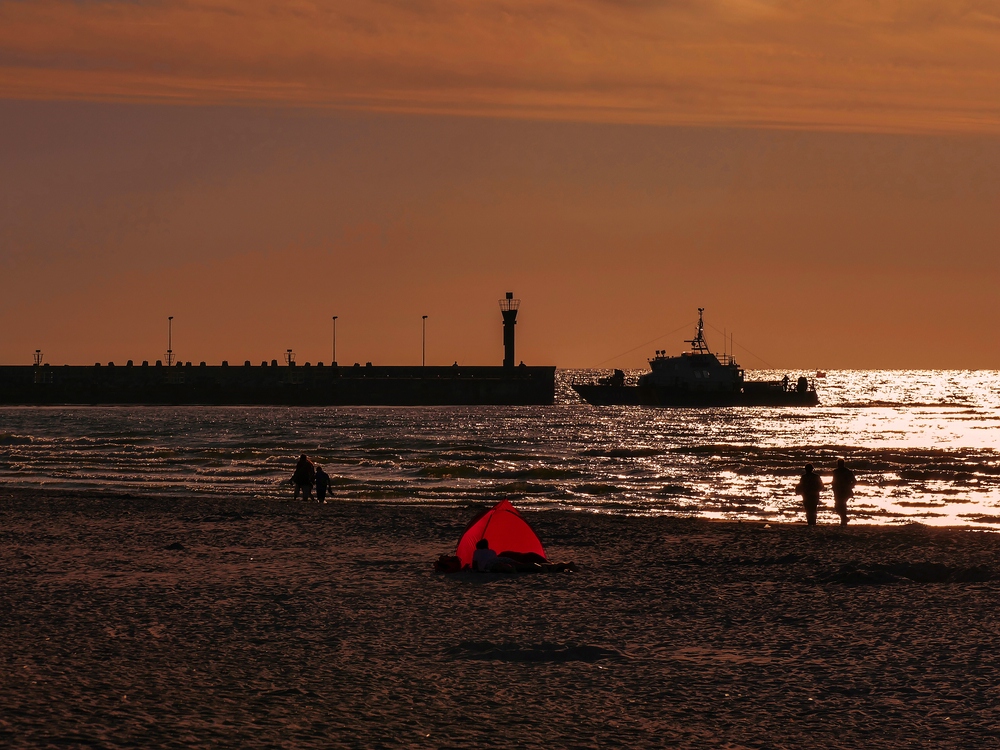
(222, 621)
(15, 492)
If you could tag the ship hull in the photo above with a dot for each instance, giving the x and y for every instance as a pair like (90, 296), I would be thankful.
(752, 394)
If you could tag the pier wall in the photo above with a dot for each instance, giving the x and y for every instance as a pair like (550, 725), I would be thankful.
(300, 385)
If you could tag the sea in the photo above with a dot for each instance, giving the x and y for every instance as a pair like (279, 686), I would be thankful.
(925, 445)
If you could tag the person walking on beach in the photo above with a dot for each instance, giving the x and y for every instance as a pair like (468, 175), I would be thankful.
(322, 484)
(843, 488)
(303, 478)
(809, 487)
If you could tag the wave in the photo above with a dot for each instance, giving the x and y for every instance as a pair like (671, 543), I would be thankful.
(598, 489)
(460, 471)
(624, 452)
(451, 471)
(523, 488)
(671, 490)
(942, 475)
(542, 472)
(904, 405)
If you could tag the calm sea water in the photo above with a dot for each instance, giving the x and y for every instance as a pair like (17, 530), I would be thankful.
(925, 446)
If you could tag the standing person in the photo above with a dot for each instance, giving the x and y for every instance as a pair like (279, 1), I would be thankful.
(303, 478)
(843, 488)
(809, 487)
(322, 484)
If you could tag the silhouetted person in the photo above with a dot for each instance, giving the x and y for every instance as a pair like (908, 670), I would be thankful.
(483, 559)
(843, 488)
(810, 485)
(486, 560)
(322, 484)
(303, 478)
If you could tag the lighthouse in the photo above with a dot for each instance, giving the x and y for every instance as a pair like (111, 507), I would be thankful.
(508, 308)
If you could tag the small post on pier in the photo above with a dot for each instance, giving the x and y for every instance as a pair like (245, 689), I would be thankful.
(508, 308)
(38, 357)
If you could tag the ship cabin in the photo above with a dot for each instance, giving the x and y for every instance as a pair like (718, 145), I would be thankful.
(698, 369)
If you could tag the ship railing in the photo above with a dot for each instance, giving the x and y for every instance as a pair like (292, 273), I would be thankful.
(763, 386)
(787, 386)
(590, 379)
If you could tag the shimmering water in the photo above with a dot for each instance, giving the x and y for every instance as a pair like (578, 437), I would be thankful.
(925, 446)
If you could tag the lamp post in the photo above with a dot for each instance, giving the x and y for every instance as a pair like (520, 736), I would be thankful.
(170, 340)
(334, 341)
(423, 341)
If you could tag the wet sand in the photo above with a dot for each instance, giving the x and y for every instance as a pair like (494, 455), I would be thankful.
(145, 622)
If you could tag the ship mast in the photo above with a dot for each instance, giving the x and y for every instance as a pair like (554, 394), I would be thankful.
(698, 343)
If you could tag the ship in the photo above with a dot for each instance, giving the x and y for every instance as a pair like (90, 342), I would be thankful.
(697, 378)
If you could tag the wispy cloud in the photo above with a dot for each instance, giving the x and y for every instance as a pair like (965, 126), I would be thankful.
(901, 65)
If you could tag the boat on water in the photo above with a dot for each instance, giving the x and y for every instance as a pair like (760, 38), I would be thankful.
(697, 378)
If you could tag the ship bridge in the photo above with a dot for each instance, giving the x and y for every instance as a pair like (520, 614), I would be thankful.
(698, 369)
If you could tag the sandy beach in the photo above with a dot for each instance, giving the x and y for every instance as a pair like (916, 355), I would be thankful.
(152, 622)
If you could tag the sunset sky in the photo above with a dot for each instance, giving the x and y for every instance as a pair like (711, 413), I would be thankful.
(823, 178)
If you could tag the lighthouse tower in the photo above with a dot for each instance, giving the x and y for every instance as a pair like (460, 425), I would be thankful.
(508, 308)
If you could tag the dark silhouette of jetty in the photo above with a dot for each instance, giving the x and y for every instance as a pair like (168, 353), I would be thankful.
(287, 384)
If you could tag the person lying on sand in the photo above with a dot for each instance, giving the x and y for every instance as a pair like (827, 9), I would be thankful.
(485, 560)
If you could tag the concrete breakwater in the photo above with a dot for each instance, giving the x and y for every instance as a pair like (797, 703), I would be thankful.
(270, 384)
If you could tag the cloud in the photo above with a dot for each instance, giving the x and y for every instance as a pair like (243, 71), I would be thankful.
(898, 66)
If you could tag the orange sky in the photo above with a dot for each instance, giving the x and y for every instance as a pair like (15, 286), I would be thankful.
(900, 66)
(824, 178)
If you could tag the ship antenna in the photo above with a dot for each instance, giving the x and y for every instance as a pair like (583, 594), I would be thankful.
(698, 343)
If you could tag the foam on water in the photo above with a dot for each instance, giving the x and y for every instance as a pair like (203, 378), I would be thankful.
(925, 445)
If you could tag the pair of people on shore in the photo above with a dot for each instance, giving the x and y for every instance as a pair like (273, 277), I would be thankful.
(811, 486)
(307, 475)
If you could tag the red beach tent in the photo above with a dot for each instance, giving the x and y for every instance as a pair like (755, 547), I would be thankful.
(504, 528)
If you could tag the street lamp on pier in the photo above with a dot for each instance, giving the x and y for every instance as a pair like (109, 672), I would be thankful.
(423, 341)
(170, 340)
(334, 341)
